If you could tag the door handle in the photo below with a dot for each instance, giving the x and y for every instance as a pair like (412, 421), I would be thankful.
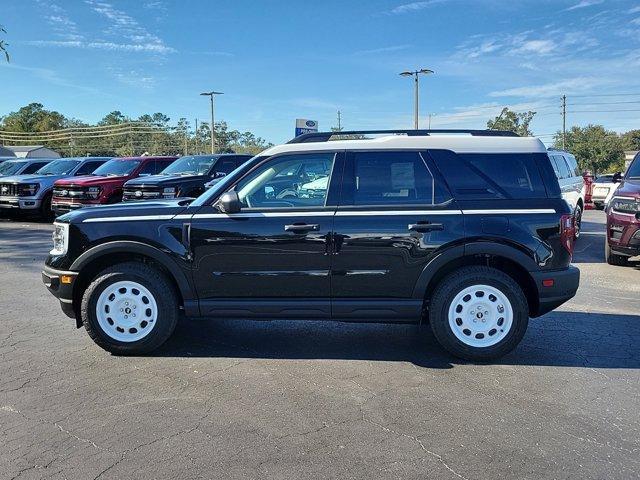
(302, 227)
(425, 227)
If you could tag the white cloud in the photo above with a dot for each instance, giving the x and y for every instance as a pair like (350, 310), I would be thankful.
(575, 85)
(415, 6)
(124, 47)
(123, 26)
(393, 48)
(539, 47)
(634, 10)
(584, 4)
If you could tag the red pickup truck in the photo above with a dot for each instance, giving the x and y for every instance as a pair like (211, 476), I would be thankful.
(105, 184)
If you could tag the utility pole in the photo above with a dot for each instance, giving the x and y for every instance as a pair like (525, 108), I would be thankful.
(564, 120)
(197, 141)
(186, 133)
(212, 94)
(339, 122)
(430, 115)
(415, 74)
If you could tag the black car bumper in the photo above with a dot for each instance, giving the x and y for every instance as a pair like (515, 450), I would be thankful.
(555, 288)
(60, 284)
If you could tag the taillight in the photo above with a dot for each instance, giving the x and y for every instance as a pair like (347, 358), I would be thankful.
(567, 232)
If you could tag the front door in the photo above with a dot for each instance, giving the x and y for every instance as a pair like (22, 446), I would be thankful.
(393, 217)
(272, 258)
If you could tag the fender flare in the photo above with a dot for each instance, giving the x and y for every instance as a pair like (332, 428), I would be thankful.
(128, 246)
(458, 252)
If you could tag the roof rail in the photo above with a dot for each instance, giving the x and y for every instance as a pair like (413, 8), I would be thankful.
(325, 136)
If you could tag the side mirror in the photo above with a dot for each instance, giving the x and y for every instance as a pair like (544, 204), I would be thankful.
(229, 202)
(219, 174)
(617, 177)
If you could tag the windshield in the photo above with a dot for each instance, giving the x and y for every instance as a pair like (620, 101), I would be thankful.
(604, 179)
(190, 166)
(117, 168)
(634, 168)
(58, 167)
(9, 167)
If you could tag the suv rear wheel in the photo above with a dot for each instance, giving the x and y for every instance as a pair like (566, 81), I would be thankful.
(577, 215)
(478, 313)
(129, 309)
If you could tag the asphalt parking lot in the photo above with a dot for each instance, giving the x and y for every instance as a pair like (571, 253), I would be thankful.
(291, 400)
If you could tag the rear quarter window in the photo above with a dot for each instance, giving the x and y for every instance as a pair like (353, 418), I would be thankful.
(488, 176)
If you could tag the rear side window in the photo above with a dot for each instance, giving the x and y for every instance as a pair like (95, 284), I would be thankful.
(392, 178)
(486, 176)
(563, 168)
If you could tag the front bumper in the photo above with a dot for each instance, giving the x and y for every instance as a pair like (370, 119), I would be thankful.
(564, 287)
(623, 233)
(20, 203)
(53, 280)
(64, 207)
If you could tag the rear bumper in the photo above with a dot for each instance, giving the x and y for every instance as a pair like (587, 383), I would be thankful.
(565, 285)
(20, 203)
(62, 291)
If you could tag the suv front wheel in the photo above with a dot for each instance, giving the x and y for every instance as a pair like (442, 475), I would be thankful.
(478, 313)
(129, 309)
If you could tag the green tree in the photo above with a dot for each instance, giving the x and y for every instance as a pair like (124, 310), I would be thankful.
(595, 148)
(3, 45)
(631, 140)
(33, 118)
(512, 122)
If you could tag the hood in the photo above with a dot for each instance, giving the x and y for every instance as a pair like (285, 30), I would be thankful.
(629, 188)
(159, 208)
(47, 179)
(166, 180)
(90, 180)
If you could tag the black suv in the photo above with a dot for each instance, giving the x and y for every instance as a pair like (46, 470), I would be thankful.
(186, 177)
(466, 230)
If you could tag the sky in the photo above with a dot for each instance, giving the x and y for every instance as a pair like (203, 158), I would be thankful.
(280, 60)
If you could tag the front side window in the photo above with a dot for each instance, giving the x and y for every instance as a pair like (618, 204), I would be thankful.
(33, 168)
(393, 178)
(288, 181)
(117, 168)
(58, 167)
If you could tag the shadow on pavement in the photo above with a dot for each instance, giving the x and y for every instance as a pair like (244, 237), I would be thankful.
(564, 339)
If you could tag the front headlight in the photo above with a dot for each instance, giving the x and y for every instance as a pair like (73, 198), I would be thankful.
(60, 238)
(625, 205)
(93, 192)
(169, 192)
(28, 189)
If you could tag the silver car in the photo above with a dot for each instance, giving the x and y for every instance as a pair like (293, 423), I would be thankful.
(31, 188)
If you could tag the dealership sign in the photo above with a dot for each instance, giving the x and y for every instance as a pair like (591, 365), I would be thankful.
(305, 126)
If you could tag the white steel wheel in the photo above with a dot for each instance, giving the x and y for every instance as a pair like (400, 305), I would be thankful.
(480, 316)
(126, 311)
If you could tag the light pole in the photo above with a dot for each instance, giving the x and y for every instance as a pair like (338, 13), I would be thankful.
(415, 74)
(213, 125)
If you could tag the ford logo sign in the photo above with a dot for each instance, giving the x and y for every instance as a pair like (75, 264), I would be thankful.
(65, 193)
(310, 123)
(5, 189)
(138, 193)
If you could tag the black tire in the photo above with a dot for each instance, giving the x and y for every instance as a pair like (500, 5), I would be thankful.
(457, 281)
(613, 258)
(45, 208)
(157, 284)
(577, 215)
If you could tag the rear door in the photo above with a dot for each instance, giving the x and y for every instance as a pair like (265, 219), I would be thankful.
(394, 216)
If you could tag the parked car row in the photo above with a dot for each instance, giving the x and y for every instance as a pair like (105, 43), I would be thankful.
(57, 186)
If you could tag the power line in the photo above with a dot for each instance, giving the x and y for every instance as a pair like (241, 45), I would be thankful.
(603, 111)
(604, 103)
(607, 95)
